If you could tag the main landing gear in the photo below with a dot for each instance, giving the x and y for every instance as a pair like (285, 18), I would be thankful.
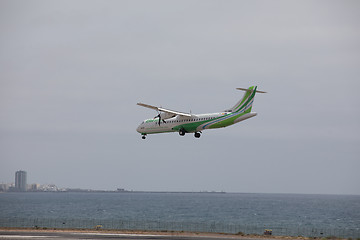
(197, 134)
(182, 133)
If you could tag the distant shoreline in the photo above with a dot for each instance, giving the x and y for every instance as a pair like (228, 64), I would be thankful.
(110, 191)
(174, 192)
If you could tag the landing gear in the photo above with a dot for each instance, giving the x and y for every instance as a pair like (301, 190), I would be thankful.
(143, 136)
(197, 134)
(182, 132)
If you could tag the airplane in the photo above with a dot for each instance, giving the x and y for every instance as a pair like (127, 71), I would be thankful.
(174, 121)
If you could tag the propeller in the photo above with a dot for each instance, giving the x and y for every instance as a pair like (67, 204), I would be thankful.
(159, 116)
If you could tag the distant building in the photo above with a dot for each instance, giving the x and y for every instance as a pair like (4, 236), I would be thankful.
(4, 187)
(34, 187)
(49, 188)
(20, 181)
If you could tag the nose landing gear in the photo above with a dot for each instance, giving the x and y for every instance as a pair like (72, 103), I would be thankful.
(143, 136)
(197, 134)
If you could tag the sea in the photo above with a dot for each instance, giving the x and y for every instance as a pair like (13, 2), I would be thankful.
(250, 209)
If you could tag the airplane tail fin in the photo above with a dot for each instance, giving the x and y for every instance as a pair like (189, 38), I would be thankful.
(245, 104)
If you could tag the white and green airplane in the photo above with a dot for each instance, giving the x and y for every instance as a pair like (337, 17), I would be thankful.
(174, 121)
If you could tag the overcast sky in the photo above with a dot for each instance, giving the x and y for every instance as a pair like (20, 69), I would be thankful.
(71, 73)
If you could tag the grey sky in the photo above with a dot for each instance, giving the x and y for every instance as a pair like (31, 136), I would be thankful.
(71, 73)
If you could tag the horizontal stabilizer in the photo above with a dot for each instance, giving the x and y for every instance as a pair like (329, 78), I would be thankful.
(249, 90)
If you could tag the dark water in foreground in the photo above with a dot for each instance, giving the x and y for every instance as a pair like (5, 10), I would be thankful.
(320, 211)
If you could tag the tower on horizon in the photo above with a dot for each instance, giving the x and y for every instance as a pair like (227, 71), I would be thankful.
(20, 181)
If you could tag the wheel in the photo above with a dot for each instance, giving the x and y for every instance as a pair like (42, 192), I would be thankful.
(143, 137)
(182, 132)
(197, 135)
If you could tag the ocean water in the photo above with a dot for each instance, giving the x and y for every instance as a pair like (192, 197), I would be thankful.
(285, 210)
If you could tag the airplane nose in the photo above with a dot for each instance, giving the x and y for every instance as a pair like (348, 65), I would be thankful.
(138, 129)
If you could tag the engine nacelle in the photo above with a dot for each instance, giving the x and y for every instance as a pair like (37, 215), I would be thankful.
(165, 115)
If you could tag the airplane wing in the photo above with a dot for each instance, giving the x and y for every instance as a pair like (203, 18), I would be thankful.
(164, 110)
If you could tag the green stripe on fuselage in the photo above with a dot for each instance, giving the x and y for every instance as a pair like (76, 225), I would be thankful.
(226, 122)
(190, 127)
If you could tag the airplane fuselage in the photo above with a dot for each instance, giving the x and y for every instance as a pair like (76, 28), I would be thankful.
(195, 123)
